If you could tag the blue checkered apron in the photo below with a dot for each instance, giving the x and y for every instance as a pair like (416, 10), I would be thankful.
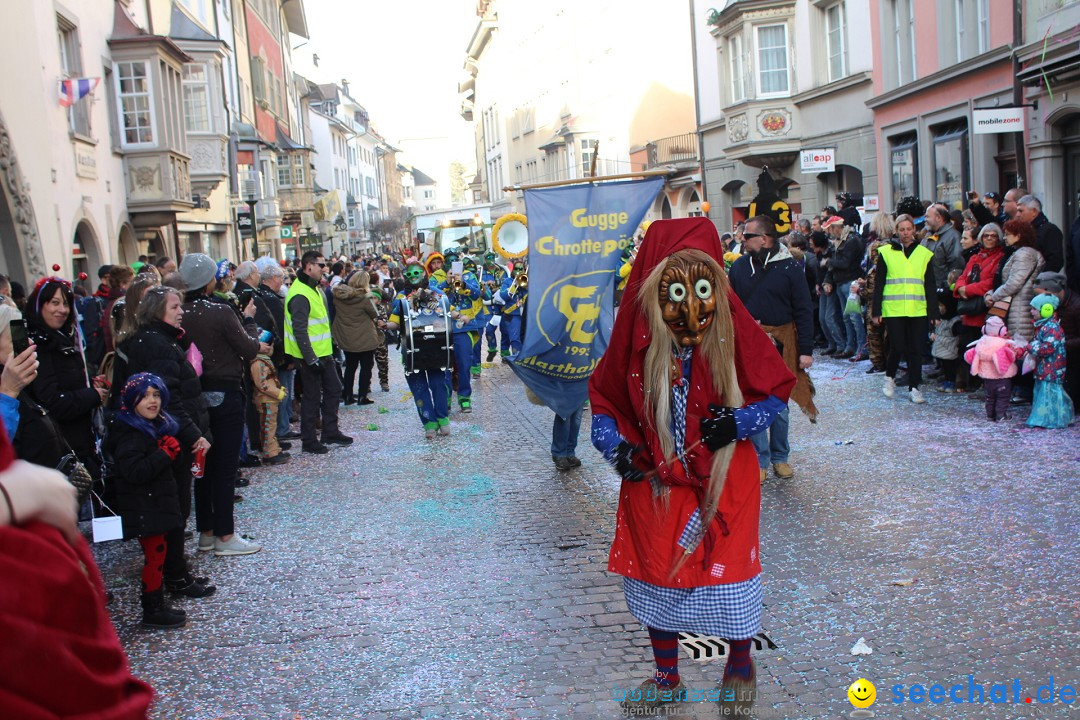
(729, 610)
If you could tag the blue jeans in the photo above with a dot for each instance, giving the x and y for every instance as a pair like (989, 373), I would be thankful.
(854, 325)
(284, 416)
(463, 360)
(564, 435)
(772, 444)
(431, 393)
(826, 326)
(834, 315)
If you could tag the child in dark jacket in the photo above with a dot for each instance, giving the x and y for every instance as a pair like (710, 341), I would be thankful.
(145, 453)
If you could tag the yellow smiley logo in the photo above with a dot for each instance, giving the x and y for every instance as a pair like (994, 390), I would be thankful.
(862, 693)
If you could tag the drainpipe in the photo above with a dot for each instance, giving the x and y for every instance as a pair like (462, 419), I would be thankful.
(697, 105)
(1018, 90)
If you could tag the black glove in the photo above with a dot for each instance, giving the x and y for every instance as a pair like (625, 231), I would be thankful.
(719, 430)
(623, 460)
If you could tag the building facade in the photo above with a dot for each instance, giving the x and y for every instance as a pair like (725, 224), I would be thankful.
(781, 82)
(1049, 68)
(934, 64)
(548, 94)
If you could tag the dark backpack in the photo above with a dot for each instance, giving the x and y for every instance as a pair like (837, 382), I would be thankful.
(91, 312)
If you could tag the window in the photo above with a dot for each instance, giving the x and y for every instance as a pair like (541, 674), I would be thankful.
(201, 10)
(982, 24)
(903, 24)
(258, 78)
(71, 67)
(737, 71)
(528, 123)
(196, 98)
(587, 151)
(772, 60)
(905, 178)
(136, 114)
(950, 164)
(836, 41)
(284, 170)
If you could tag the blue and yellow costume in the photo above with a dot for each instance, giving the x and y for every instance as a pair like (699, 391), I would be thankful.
(513, 299)
(492, 277)
(430, 388)
(467, 308)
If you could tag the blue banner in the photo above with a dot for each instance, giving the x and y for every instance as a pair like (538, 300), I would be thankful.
(577, 235)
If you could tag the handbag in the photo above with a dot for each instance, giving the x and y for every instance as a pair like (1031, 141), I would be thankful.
(971, 306)
(70, 465)
(1000, 308)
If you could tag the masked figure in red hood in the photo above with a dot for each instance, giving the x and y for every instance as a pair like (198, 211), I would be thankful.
(687, 378)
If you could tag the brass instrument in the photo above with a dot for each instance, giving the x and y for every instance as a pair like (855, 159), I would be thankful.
(457, 285)
(521, 282)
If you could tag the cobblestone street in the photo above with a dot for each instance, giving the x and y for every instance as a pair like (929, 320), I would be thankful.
(463, 577)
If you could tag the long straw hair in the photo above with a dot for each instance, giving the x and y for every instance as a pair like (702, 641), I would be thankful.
(718, 345)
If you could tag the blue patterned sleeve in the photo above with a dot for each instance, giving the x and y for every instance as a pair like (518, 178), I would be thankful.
(605, 435)
(752, 419)
(9, 414)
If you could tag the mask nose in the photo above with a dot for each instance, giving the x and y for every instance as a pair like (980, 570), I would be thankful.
(693, 316)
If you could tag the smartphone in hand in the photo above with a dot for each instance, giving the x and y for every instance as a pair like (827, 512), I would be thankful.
(19, 339)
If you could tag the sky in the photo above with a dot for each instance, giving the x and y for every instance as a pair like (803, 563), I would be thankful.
(403, 61)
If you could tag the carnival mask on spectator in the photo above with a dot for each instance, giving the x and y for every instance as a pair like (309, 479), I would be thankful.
(414, 274)
(687, 298)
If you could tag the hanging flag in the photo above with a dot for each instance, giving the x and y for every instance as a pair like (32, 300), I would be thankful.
(576, 237)
(72, 90)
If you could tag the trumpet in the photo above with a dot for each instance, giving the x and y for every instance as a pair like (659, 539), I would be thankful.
(457, 285)
(521, 282)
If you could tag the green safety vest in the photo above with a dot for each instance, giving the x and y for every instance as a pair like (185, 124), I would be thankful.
(905, 282)
(318, 326)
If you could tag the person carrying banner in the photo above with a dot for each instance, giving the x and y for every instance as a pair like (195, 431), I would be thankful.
(514, 293)
(430, 386)
(675, 400)
(492, 278)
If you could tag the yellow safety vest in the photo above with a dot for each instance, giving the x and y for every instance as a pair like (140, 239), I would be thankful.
(905, 282)
(318, 326)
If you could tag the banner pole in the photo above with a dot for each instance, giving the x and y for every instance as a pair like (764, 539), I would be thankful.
(578, 181)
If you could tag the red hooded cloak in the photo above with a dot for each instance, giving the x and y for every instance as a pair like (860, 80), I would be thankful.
(646, 534)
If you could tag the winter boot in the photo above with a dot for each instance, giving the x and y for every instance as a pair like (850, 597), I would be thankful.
(491, 356)
(156, 614)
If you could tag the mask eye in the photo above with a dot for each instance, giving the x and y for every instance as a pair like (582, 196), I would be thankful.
(676, 292)
(703, 289)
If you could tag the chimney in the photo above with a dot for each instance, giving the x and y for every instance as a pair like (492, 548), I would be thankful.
(345, 85)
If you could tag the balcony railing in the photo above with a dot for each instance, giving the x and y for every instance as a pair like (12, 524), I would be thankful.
(671, 150)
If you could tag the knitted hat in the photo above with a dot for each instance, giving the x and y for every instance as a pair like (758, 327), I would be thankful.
(994, 326)
(1051, 282)
(197, 270)
(222, 271)
(1039, 302)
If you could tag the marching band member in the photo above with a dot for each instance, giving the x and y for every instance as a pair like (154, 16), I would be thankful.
(430, 387)
(513, 294)
(466, 306)
(482, 317)
(434, 265)
(492, 278)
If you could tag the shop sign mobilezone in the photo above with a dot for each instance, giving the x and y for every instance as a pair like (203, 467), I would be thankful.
(997, 120)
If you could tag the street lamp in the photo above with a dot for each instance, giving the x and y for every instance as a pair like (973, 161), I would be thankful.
(307, 220)
(251, 197)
